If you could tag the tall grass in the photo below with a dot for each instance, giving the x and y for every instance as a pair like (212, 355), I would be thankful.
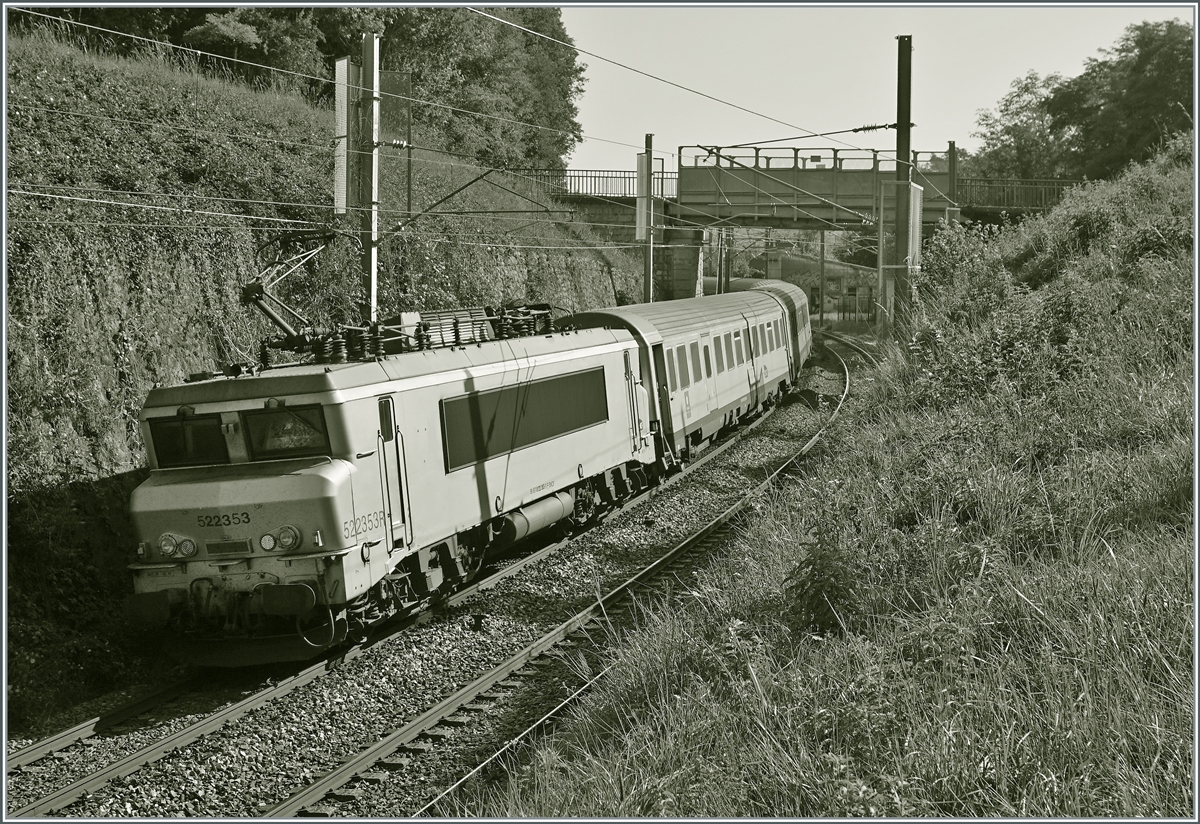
(979, 599)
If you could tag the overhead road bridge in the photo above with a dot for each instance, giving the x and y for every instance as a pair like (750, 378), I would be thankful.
(785, 188)
(793, 188)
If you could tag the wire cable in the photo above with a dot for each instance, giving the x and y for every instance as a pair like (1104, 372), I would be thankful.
(176, 209)
(638, 71)
(810, 132)
(319, 79)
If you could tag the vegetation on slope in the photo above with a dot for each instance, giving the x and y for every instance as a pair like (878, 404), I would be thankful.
(979, 599)
(104, 301)
(460, 62)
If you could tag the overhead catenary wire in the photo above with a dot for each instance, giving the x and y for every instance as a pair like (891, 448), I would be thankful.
(810, 133)
(319, 79)
(698, 212)
(386, 158)
(431, 236)
(497, 215)
(638, 71)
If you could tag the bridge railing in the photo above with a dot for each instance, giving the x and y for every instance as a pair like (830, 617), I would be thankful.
(978, 192)
(597, 182)
(791, 157)
(1011, 194)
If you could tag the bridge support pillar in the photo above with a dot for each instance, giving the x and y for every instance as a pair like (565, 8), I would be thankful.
(686, 262)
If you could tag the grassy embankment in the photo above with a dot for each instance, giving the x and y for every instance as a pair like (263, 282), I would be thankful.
(105, 301)
(979, 599)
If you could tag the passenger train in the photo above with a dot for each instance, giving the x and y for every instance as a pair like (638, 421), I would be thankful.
(292, 505)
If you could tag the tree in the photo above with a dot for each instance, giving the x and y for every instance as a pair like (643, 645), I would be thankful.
(471, 65)
(280, 38)
(1126, 103)
(1019, 138)
(224, 34)
(556, 77)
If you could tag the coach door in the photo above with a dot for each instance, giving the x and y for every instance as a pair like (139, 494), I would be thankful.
(703, 396)
(389, 444)
(753, 355)
(664, 368)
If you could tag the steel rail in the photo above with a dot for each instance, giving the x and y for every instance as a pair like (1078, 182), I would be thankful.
(648, 494)
(152, 752)
(86, 729)
(309, 796)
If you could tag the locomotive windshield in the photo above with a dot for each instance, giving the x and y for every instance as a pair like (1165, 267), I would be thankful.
(286, 433)
(192, 441)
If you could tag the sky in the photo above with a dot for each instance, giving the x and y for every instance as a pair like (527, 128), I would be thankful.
(818, 68)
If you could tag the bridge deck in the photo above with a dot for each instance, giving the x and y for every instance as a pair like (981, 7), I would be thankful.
(815, 190)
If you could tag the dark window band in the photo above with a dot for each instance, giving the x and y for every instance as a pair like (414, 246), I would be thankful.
(485, 425)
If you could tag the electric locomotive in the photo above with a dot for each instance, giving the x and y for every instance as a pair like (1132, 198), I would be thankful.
(292, 505)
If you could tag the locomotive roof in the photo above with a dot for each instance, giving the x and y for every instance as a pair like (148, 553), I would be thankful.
(313, 378)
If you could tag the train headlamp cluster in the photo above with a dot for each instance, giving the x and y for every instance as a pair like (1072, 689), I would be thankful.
(169, 546)
(285, 538)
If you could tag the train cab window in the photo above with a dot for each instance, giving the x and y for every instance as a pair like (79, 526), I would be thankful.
(695, 347)
(283, 432)
(671, 373)
(729, 349)
(720, 355)
(681, 354)
(707, 364)
(191, 441)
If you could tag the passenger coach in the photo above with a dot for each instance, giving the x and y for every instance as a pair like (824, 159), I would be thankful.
(713, 359)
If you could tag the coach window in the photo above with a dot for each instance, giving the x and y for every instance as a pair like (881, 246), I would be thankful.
(778, 334)
(762, 338)
(695, 347)
(681, 354)
(737, 346)
(755, 349)
(720, 356)
(771, 336)
(707, 364)
(671, 372)
(729, 349)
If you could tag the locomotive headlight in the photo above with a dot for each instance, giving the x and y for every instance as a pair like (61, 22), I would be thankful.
(267, 542)
(167, 545)
(187, 548)
(289, 537)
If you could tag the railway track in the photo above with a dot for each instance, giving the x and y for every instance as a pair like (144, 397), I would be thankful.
(414, 734)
